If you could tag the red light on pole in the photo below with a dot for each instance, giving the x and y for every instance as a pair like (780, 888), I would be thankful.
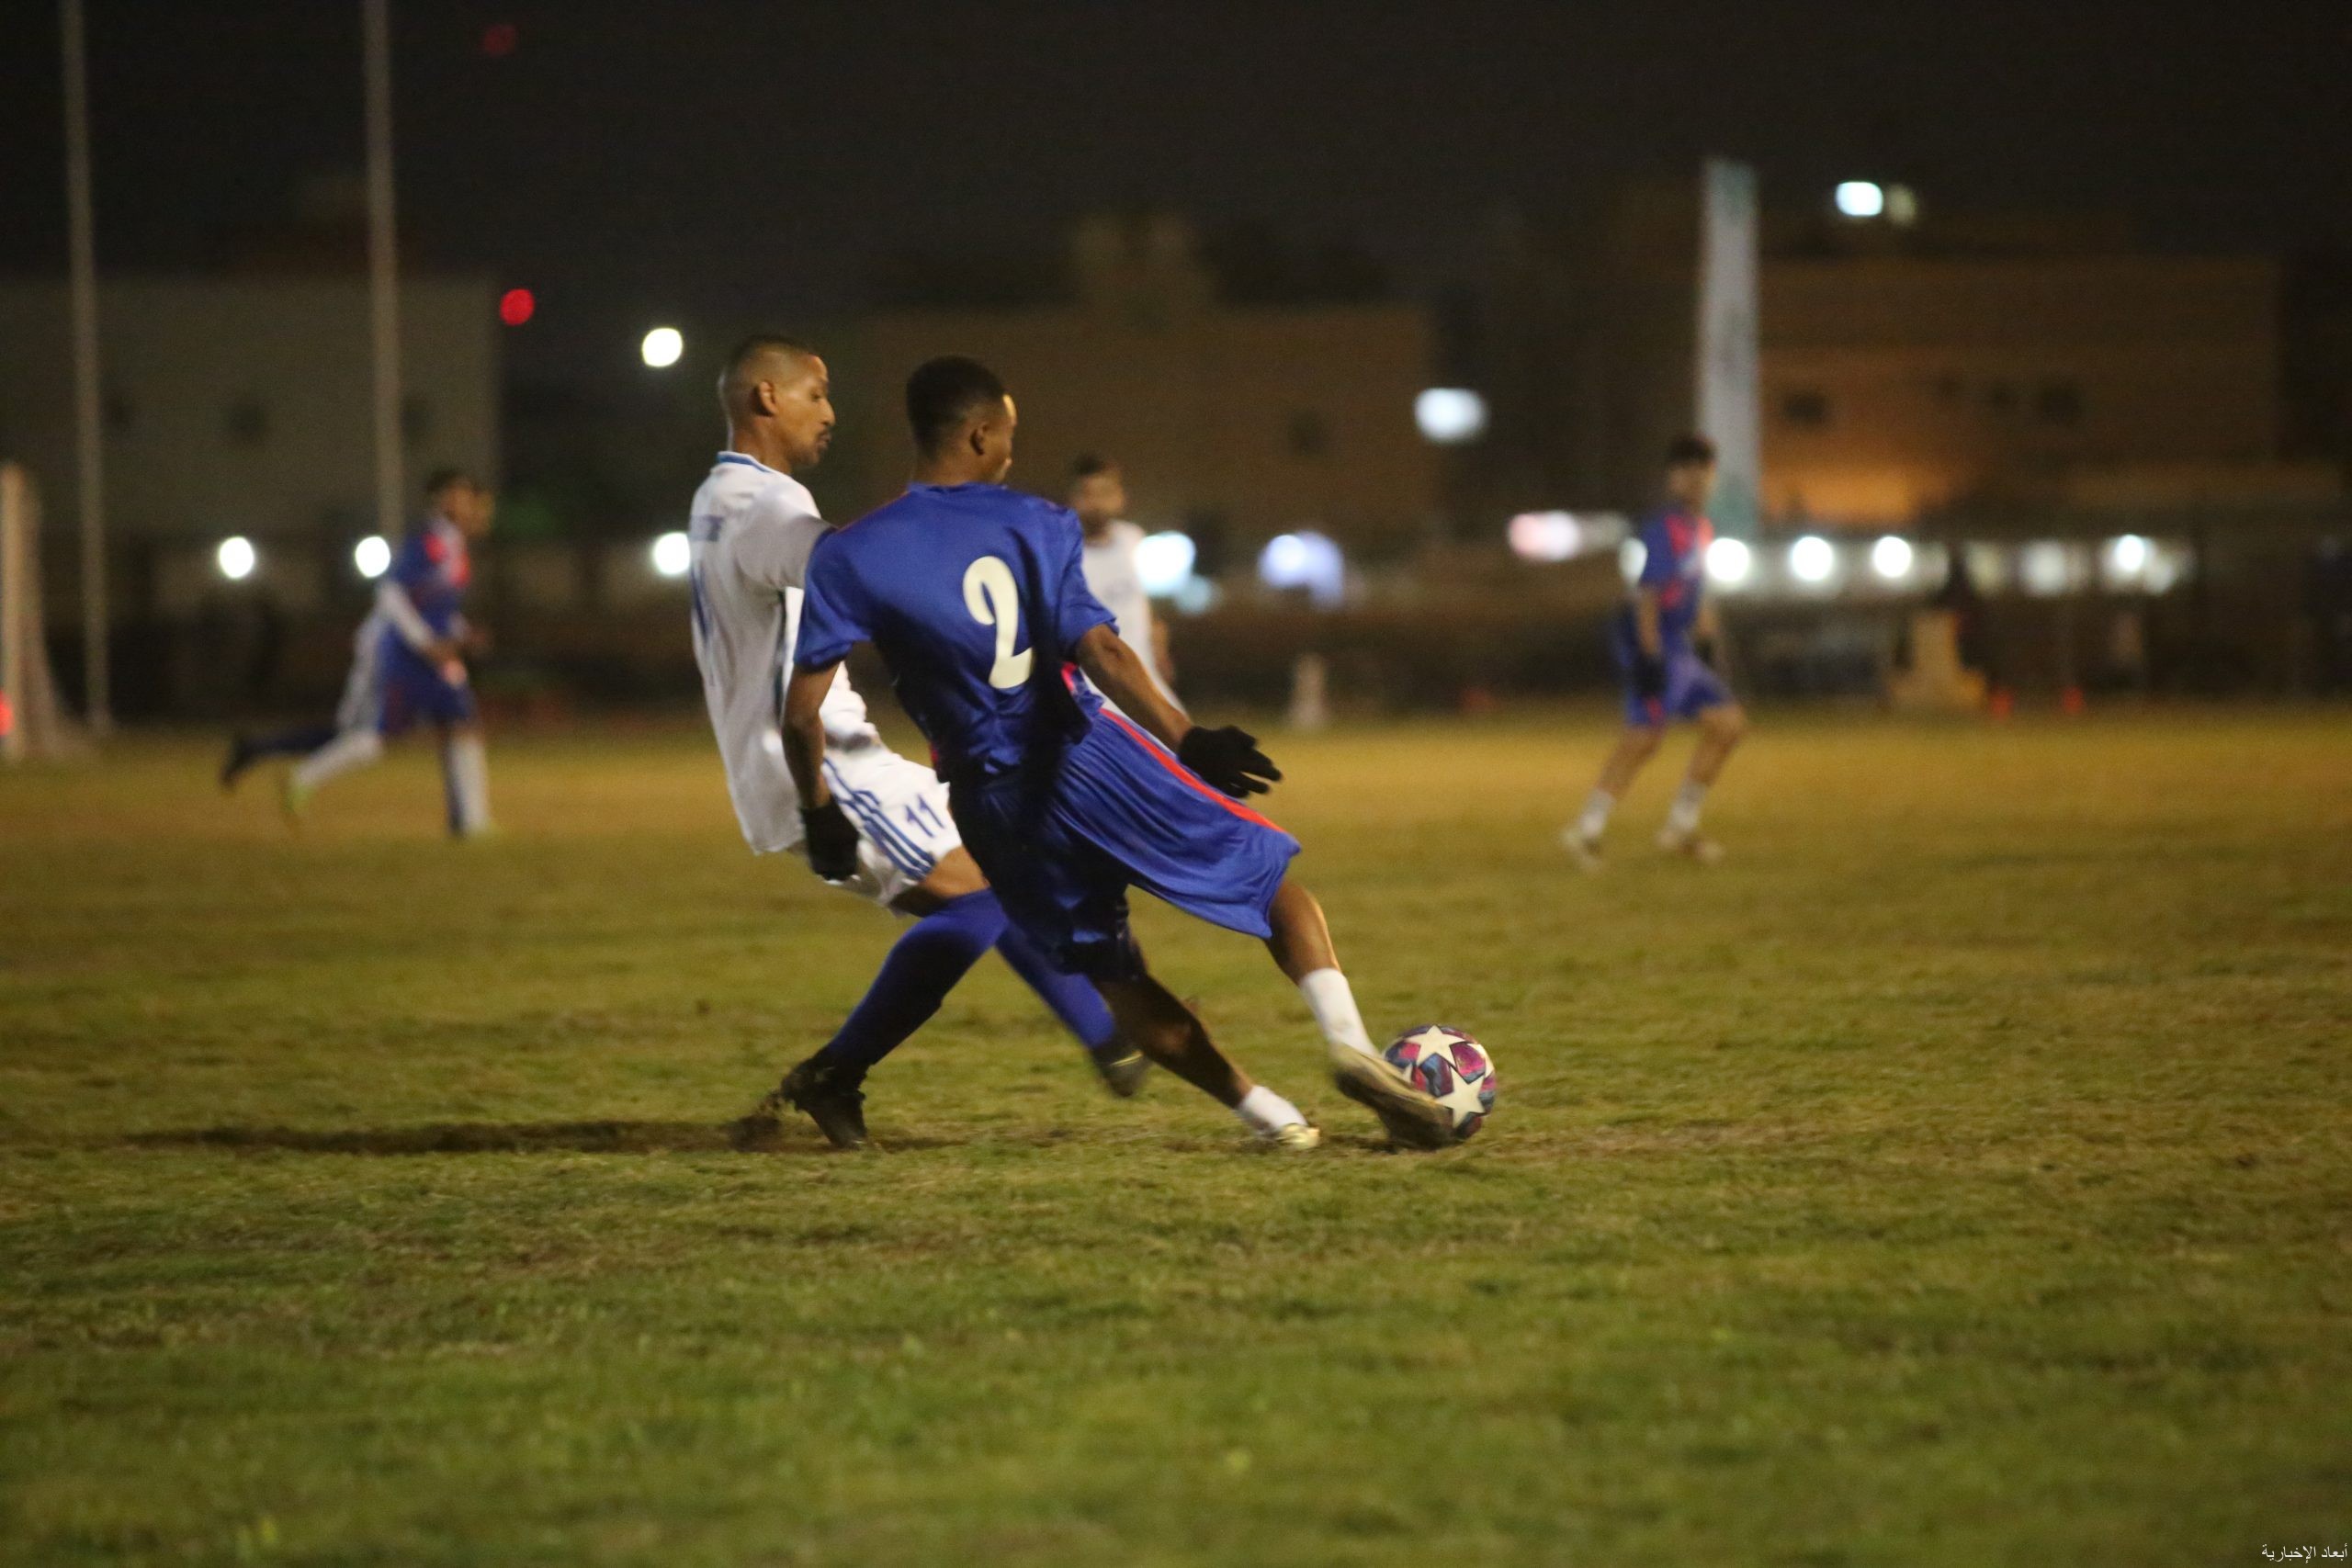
(515, 307)
(498, 39)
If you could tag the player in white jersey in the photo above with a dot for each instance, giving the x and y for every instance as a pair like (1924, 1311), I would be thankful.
(751, 531)
(1097, 493)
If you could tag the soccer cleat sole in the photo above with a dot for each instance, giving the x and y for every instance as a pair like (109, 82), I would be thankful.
(1297, 1138)
(1123, 1076)
(1413, 1118)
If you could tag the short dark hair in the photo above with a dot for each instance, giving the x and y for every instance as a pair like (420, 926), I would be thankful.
(441, 480)
(1689, 448)
(735, 381)
(945, 392)
(1086, 464)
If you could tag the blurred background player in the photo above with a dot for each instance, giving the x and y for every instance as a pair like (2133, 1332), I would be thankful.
(1664, 640)
(976, 597)
(1097, 493)
(408, 663)
(750, 534)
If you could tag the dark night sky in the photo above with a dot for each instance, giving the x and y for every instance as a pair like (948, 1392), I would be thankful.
(693, 158)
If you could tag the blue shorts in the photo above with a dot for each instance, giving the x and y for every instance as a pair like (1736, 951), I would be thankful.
(1061, 848)
(415, 691)
(1690, 688)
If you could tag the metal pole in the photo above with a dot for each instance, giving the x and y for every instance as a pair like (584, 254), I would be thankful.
(89, 448)
(383, 278)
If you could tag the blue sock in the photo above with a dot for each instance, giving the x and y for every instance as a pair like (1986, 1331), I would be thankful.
(1072, 997)
(922, 966)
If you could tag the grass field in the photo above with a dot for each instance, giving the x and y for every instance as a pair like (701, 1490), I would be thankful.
(1962, 1174)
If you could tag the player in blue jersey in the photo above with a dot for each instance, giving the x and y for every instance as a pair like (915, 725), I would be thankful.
(1664, 640)
(976, 597)
(408, 664)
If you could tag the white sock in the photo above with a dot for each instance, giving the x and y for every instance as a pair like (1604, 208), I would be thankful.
(468, 766)
(1265, 1112)
(1597, 806)
(1334, 1006)
(1682, 817)
(351, 749)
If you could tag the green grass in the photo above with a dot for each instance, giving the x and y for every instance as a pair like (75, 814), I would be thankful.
(1962, 1174)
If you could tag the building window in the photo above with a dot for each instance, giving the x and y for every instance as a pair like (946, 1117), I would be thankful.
(247, 423)
(1806, 406)
(2058, 402)
(1309, 435)
(416, 421)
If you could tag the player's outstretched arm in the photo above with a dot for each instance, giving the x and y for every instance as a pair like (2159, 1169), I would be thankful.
(1227, 758)
(831, 838)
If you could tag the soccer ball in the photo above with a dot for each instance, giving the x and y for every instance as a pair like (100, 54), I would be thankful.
(1452, 1068)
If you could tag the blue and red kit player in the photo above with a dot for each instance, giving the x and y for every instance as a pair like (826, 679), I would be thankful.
(976, 597)
(1664, 640)
(408, 665)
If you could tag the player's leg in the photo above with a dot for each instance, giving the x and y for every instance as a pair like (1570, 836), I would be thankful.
(1172, 1035)
(349, 749)
(1720, 731)
(1301, 944)
(1634, 748)
(465, 773)
(244, 750)
(1694, 691)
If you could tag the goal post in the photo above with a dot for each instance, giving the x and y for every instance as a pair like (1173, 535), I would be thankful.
(31, 724)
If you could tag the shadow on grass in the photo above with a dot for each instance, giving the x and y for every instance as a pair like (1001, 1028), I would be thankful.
(507, 1138)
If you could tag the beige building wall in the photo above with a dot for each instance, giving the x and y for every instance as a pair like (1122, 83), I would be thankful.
(242, 405)
(1895, 384)
(1267, 418)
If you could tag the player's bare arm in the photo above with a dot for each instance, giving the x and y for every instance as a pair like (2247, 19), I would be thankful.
(1227, 758)
(1645, 627)
(804, 735)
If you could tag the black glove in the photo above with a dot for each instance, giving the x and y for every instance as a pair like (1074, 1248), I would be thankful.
(1649, 675)
(831, 839)
(1703, 648)
(1228, 759)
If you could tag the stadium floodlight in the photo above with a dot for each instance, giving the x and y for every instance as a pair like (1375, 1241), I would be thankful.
(1891, 558)
(1861, 199)
(1164, 562)
(1632, 555)
(1813, 560)
(1545, 535)
(673, 555)
(236, 558)
(662, 347)
(2045, 567)
(1304, 559)
(1729, 562)
(372, 556)
(1450, 415)
(2128, 555)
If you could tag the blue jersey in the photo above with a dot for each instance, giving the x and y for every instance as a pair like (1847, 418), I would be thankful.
(432, 570)
(976, 597)
(1674, 566)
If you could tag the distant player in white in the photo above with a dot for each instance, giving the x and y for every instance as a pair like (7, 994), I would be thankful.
(751, 528)
(1097, 493)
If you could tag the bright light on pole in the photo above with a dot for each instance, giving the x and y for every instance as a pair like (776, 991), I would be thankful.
(236, 558)
(1891, 558)
(372, 556)
(1812, 560)
(1450, 415)
(1729, 561)
(1861, 199)
(2129, 555)
(673, 555)
(662, 347)
(1164, 562)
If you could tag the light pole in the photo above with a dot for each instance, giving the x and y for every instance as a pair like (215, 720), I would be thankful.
(383, 275)
(90, 454)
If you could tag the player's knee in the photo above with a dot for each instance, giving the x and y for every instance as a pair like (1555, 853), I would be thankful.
(1729, 723)
(1642, 741)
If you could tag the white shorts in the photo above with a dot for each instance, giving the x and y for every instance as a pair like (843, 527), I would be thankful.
(900, 810)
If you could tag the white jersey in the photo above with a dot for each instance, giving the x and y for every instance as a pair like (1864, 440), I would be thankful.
(1111, 577)
(751, 532)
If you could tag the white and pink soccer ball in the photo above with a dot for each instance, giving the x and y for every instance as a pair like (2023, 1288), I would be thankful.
(1452, 1068)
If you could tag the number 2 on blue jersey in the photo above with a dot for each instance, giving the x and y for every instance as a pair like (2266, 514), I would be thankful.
(990, 594)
